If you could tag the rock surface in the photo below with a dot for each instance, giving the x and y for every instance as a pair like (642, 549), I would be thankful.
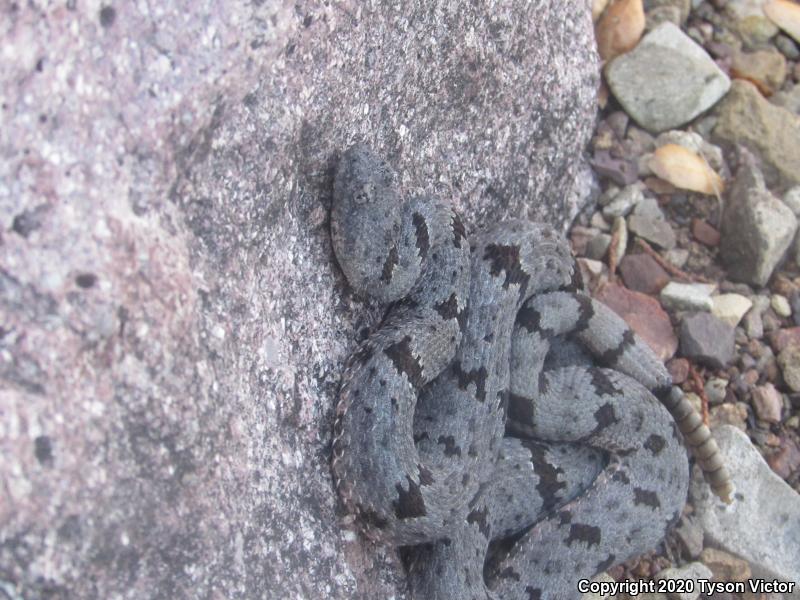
(789, 99)
(771, 132)
(762, 525)
(173, 323)
(682, 79)
(693, 571)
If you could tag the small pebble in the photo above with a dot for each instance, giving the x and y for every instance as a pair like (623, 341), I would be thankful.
(623, 202)
(598, 246)
(716, 390)
(724, 566)
(753, 324)
(687, 296)
(783, 338)
(761, 303)
(750, 378)
(705, 233)
(767, 403)
(618, 170)
(706, 339)
(640, 140)
(619, 232)
(787, 459)
(598, 222)
(791, 198)
(729, 414)
(677, 257)
(780, 304)
(618, 121)
(642, 273)
(730, 308)
(794, 303)
(592, 272)
(787, 46)
(679, 370)
(767, 365)
(690, 536)
(765, 68)
(746, 362)
(649, 223)
(771, 321)
(579, 237)
(789, 362)
(740, 336)
(608, 195)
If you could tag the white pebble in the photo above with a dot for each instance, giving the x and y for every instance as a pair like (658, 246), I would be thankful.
(688, 296)
(730, 307)
(780, 305)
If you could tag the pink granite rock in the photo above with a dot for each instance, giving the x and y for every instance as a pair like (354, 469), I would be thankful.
(172, 322)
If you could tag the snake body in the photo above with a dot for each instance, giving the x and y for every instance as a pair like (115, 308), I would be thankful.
(496, 411)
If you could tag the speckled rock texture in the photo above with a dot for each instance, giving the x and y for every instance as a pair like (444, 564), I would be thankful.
(172, 321)
(761, 499)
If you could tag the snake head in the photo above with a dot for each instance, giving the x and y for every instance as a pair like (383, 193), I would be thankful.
(370, 227)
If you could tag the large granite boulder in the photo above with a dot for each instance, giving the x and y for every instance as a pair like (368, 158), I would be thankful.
(172, 322)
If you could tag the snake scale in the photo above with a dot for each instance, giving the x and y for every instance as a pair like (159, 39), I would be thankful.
(510, 429)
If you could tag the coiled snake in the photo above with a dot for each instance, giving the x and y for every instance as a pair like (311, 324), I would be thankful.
(497, 404)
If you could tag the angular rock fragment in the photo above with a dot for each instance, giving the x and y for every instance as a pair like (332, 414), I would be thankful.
(757, 228)
(706, 339)
(649, 223)
(688, 296)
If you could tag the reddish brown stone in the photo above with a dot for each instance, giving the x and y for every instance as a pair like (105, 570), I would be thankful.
(705, 233)
(641, 273)
(782, 338)
(644, 315)
(679, 370)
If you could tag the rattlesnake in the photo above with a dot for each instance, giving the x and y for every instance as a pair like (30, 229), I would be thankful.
(475, 412)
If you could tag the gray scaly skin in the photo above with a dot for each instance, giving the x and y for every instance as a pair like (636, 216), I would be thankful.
(479, 340)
